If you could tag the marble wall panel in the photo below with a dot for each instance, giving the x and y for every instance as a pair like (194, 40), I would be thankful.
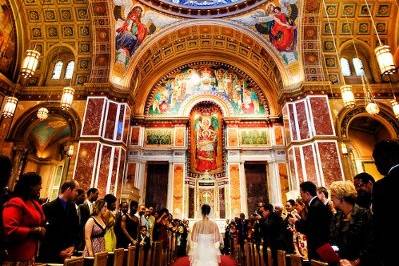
(298, 161)
(291, 164)
(310, 166)
(322, 119)
(127, 124)
(121, 118)
(135, 136)
(103, 169)
(178, 179)
(286, 122)
(110, 121)
(278, 135)
(303, 124)
(330, 162)
(121, 173)
(292, 120)
(179, 136)
(93, 117)
(234, 171)
(115, 164)
(284, 183)
(130, 175)
(85, 163)
(232, 138)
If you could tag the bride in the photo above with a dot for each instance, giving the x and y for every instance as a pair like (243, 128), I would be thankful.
(205, 240)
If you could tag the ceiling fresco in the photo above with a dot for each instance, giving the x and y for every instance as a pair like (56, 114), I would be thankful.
(49, 131)
(8, 37)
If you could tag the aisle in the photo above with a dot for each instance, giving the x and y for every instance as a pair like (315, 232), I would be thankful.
(184, 261)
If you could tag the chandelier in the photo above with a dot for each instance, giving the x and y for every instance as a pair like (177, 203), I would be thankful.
(30, 63)
(9, 107)
(42, 113)
(67, 98)
(382, 52)
(347, 95)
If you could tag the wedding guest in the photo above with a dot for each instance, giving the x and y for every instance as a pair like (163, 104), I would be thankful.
(364, 183)
(110, 237)
(86, 208)
(95, 229)
(62, 226)
(23, 220)
(126, 225)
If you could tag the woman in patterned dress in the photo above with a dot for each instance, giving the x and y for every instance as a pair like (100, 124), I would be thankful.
(95, 229)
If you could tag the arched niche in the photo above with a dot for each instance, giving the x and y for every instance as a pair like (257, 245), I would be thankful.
(41, 146)
(360, 131)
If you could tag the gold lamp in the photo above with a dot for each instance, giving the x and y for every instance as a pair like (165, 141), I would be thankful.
(67, 98)
(42, 113)
(9, 107)
(382, 52)
(30, 63)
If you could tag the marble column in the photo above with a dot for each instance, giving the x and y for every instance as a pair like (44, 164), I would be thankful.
(101, 156)
(312, 152)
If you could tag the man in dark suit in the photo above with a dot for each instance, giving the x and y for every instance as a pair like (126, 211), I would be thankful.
(316, 224)
(62, 226)
(86, 209)
(384, 201)
(242, 227)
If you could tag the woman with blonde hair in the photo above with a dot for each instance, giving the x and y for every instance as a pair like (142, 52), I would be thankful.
(95, 229)
(351, 225)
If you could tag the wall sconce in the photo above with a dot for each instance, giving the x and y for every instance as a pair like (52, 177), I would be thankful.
(9, 107)
(67, 98)
(70, 150)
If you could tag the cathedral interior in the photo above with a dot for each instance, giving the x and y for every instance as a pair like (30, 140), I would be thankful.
(176, 103)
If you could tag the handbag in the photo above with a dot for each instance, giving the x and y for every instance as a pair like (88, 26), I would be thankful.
(327, 253)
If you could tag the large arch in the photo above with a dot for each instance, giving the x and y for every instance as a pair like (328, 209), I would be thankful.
(201, 40)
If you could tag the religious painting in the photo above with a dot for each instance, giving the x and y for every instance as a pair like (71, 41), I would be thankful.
(8, 40)
(204, 4)
(206, 139)
(254, 137)
(176, 89)
(133, 24)
(277, 22)
(158, 136)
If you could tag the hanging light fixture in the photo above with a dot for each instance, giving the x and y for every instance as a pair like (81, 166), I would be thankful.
(67, 98)
(372, 108)
(346, 90)
(347, 96)
(9, 107)
(395, 108)
(30, 63)
(42, 113)
(382, 52)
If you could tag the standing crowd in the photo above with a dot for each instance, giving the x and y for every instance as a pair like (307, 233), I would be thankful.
(77, 223)
(350, 224)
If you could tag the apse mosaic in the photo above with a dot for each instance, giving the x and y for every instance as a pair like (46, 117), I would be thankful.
(173, 92)
(7, 39)
(206, 141)
(133, 24)
(277, 22)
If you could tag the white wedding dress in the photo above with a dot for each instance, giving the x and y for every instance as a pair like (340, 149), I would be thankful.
(204, 244)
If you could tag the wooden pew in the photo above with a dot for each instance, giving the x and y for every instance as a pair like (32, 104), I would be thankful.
(118, 257)
(261, 256)
(281, 258)
(269, 257)
(318, 263)
(296, 260)
(131, 255)
(100, 259)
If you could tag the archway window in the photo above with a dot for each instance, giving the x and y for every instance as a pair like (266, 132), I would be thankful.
(358, 65)
(345, 68)
(69, 70)
(57, 70)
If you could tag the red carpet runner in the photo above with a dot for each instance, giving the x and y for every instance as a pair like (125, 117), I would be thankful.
(184, 261)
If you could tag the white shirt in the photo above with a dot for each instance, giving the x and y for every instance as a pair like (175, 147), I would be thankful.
(90, 204)
(312, 200)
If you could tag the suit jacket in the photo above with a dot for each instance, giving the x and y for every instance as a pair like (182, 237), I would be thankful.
(62, 230)
(242, 227)
(84, 213)
(315, 226)
(384, 203)
(272, 229)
